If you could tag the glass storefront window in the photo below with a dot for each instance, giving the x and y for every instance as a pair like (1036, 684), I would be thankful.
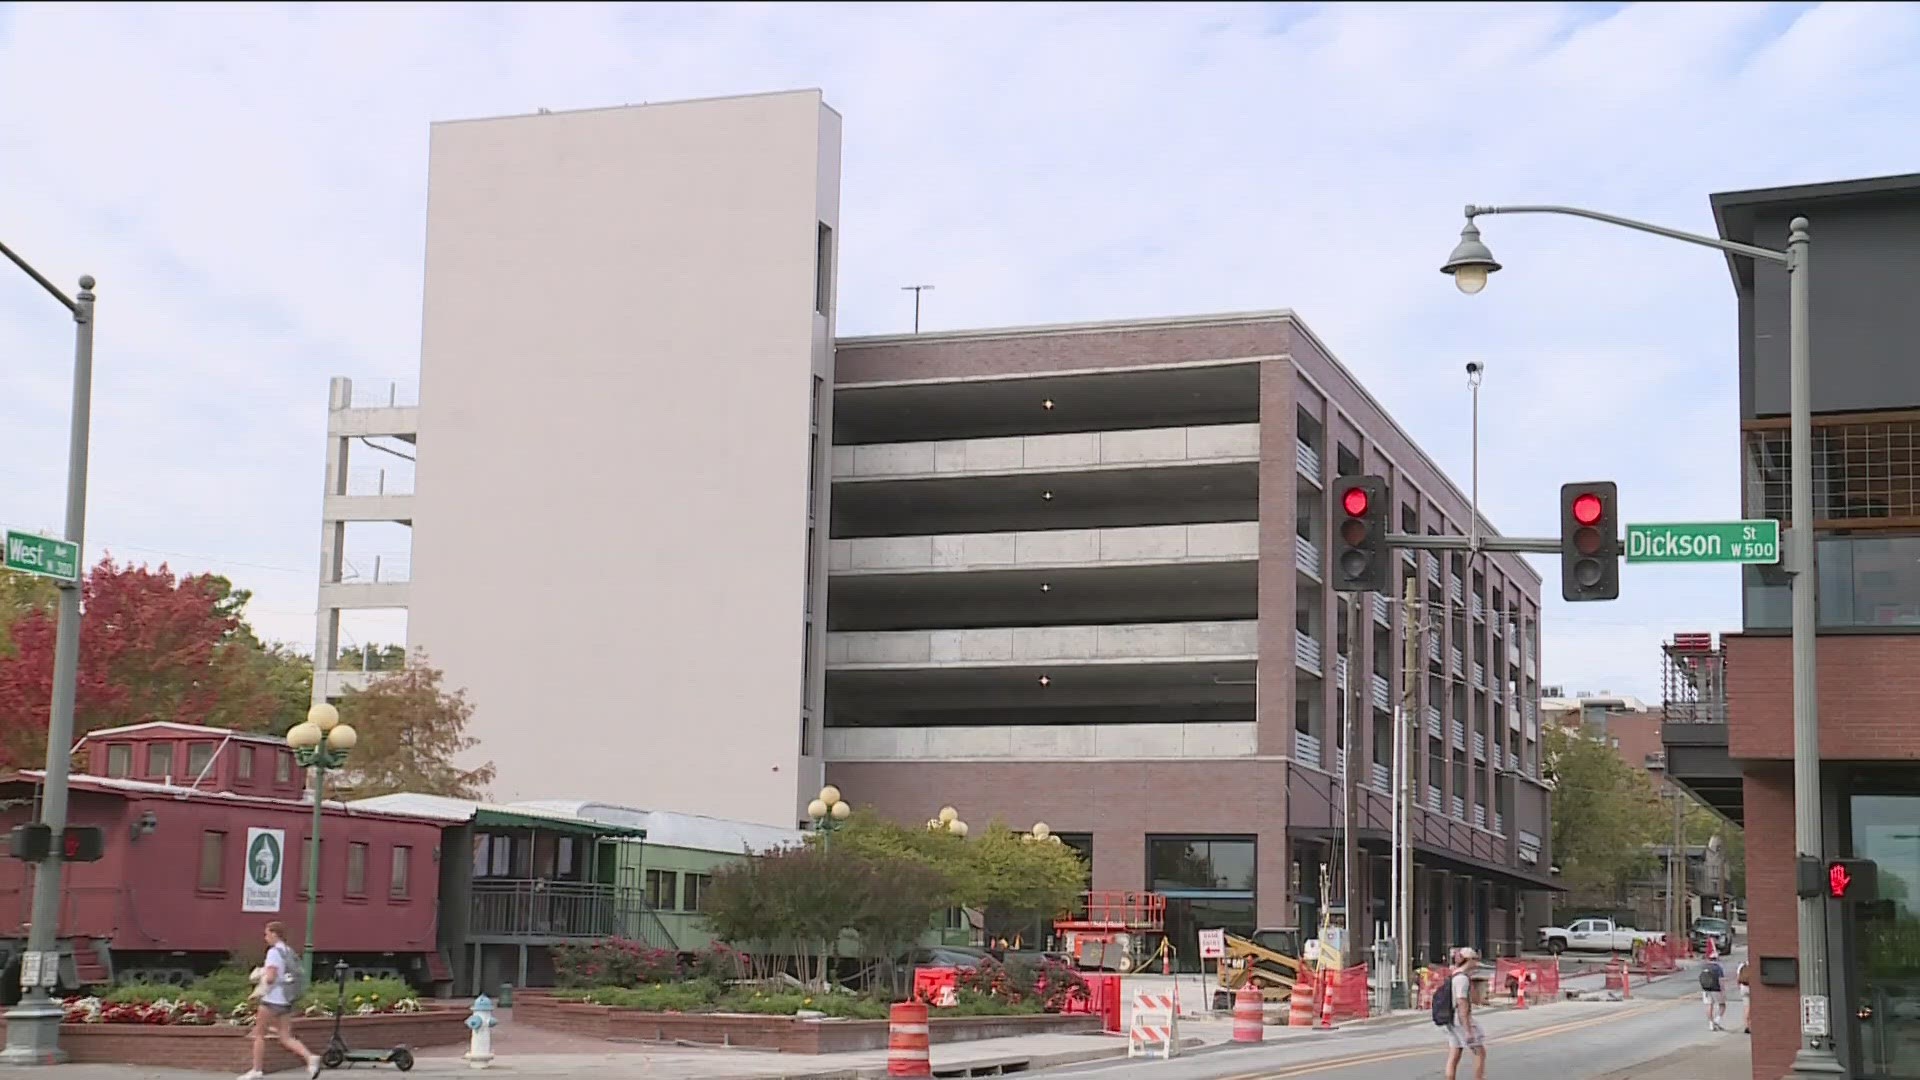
(1886, 829)
(1176, 863)
(1864, 582)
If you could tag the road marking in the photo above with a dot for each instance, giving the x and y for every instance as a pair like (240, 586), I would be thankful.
(1379, 1057)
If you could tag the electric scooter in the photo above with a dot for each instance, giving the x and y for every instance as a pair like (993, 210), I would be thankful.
(337, 1053)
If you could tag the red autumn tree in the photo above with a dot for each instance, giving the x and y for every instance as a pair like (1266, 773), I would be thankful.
(153, 646)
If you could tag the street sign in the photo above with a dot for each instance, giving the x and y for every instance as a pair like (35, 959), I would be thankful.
(1213, 944)
(30, 553)
(1756, 541)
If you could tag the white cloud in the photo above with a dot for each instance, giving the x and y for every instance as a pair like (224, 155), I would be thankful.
(249, 185)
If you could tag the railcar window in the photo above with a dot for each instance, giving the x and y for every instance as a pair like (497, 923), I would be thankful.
(356, 869)
(119, 760)
(199, 756)
(663, 890)
(160, 759)
(282, 768)
(243, 763)
(697, 885)
(402, 872)
(213, 861)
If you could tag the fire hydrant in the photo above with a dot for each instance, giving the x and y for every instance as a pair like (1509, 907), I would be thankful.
(481, 1022)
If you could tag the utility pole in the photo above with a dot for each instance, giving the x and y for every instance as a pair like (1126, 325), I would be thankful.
(33, 1026)
(1677, 864)
(1406, 727)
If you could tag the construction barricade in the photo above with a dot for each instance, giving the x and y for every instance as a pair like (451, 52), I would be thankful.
(936, 986)
(1344, 995)
(1154, 1030)
(1300, 1006)
(1620, 977)
(907, 1040)
(1430, 982)
(1102, 999)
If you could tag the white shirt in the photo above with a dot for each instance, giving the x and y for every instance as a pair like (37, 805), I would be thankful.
(1462, 995)
(280, 958)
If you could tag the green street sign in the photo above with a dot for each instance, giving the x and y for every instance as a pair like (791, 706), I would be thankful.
(43, 555)
(1706, 542)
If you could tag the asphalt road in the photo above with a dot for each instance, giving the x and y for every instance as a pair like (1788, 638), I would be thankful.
(1562, 1041)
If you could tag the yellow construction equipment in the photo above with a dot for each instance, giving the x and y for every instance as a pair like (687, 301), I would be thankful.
(1270, 960)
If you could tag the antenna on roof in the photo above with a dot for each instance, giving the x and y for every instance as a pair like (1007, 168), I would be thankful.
(916, 290)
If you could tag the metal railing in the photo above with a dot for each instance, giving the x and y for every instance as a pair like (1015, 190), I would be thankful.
(1478, 607)
(1433, 568)
(1456, 661)
(1340, 672)
(1382, 693)
(1479, 816)
(1433, 722)
(1307, 461)
(1382, 611)
(1479, 746)
(1433, 799)
(1500, 824)
(384, 394)
(521, 907)
(1433, 647)
(390, 569)
(1306, 556)
(1306, 651)
(1459, 735)
(1306, 749)
(1479, 675)
(365, 480)
(1497, 753)
(1382, 778)
(1455, 590)
(1459, 808)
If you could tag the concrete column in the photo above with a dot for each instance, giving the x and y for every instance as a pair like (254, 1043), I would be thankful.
(1277, 573)
(333, 536)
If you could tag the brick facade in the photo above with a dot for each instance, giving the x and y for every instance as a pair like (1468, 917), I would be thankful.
(1867, 686)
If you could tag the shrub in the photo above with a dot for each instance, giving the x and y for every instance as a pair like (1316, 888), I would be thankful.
(695, 996)
(720, 963)
(613, 962)
(975, 1003)
(787, 1003)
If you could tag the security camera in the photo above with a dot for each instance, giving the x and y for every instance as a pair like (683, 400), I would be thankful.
(1473, 367)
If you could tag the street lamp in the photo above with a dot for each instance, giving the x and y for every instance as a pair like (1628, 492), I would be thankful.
(33, 1026)
(320, 743)
(828, 812)
(1469, 265)
(948, 820)
(1041, 834)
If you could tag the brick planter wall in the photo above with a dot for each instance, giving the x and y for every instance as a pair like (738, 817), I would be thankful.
(229, 1049)
(785, 1034)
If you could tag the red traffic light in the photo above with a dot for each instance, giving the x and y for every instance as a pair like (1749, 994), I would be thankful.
(1354, 501)
(1586, 509)
(1838, 881)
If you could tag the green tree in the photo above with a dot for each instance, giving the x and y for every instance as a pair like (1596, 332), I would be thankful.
(1606, 814)
(997, 868)
(411, 729)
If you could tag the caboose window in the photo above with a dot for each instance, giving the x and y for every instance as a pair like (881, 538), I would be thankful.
(663, 890)
(356, 869)
(199, 756)
(213, 861)
(119, 760)
(402, 871)
(160, 759)
(282, 768)
(243, 763)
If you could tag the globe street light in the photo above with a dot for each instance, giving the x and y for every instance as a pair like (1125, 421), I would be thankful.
(828, 812)
(1470, 263)
(948, 820)
(319, 743)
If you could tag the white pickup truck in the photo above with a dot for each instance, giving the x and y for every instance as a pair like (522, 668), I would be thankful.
(1594, 935)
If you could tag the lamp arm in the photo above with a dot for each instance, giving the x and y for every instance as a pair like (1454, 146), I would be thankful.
(1730, 246)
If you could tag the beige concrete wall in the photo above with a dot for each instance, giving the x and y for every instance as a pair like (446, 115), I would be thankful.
(611, 501)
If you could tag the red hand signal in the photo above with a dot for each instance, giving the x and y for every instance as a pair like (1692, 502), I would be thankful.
(1837, 880)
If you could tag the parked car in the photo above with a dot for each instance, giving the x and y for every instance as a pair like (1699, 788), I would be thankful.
(1594, 935)
(1719, 931)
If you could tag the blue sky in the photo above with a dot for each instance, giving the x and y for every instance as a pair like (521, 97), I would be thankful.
(248, 183)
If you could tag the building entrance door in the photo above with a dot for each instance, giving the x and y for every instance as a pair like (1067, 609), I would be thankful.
(1886, 829)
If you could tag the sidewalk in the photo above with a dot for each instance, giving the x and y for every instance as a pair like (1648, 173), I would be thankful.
(1727, 1059)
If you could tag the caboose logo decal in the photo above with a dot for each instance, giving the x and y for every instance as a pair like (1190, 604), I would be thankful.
(265, 866)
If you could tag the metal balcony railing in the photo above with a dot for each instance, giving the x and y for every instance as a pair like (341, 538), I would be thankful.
(1382, 778)
(1382, 611)
(1479, 675)
(1456, 662)
(1459, 808)
(1433, 722)
(1306, 460)
(1382, 692)
(1500, 824)
(521, 907)
(1455, 591)
(1433, 568)
(1306, 651)
(1306, 749)
(1513, 719)
(390, 569)
(1478, 607)
(1340, 672)
(1497, 755)
(1433, 799)
(1433, 647)
(1306, 556)
(1479, 747)
(1459, 735)
(1479, 816)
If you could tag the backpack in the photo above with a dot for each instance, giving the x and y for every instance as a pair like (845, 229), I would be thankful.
(1710, 978)
(1443, 1003)
(293, 976)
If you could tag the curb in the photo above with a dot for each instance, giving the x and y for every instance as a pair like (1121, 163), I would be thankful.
(990, 1066)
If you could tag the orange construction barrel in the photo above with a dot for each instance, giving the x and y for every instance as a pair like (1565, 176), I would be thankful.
(907, 1040)
(1249, 1015)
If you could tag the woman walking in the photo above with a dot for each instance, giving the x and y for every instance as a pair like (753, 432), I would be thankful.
(273, 1004)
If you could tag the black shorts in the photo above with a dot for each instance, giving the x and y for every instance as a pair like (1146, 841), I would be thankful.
(269, 1009)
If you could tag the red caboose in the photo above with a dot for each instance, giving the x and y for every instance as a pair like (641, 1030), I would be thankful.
(206, 841)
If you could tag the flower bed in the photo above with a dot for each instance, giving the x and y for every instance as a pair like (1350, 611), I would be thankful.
(789, 1034)
(228, 1047)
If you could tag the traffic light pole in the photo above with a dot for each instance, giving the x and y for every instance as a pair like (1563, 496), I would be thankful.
(1544, 545)
(33, 1026)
